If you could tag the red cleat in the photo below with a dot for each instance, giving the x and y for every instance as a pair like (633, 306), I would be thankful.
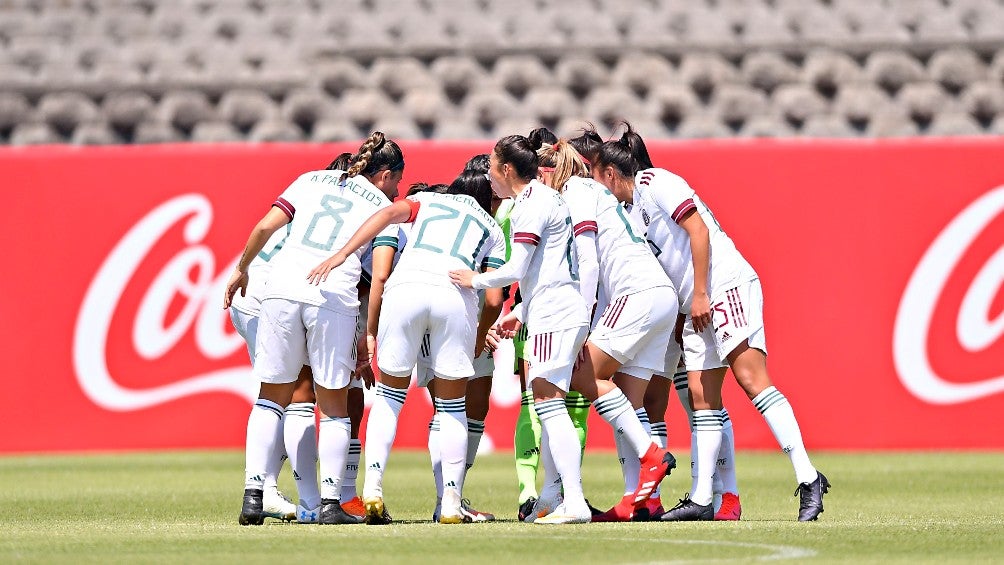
(354, 507)
(621, 512)
(730, 508)
(656, 464)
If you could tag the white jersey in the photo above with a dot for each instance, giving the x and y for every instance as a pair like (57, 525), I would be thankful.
(324, 214)
(661, 199)
(626, 263)
(258, 273)
(550, 288)
(449, 231)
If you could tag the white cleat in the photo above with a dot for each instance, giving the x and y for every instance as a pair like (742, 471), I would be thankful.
(567, 514)
(306, 515)
(450, 512)
(475, 515)
(276, 505)
(545, 505)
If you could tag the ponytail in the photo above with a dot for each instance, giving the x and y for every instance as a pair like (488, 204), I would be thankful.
(377, 153)
(566, 161)
(636, 145)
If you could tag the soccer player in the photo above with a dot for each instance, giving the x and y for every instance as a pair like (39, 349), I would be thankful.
(629, 333)
(543, 262)
(305, 324)
(723, 301)
(450, 230)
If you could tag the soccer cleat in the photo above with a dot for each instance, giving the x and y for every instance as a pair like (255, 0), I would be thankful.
(306, 515)
(596, 511)
(543, 506)
(333, 513)
(376, 512)
(566, 514)
(251, 508)
(811, 498)
(652, 510)
(451, 512)
(276, 505)
(354, 507)
(656, 465)
(438, 510)
(526, 508)
(730, 508)
(689, 511)
(621, 512)
(474, 515)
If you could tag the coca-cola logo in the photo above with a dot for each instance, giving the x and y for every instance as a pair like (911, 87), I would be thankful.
(975, 328)
(153, 332)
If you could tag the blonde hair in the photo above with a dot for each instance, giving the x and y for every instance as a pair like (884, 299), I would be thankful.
(566, 161)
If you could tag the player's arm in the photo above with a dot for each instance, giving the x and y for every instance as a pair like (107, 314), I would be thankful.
(383, 262)
(514, 270)
(263, 230)
(700, 250)
(489, 315)
(589, 266)
(397, 213)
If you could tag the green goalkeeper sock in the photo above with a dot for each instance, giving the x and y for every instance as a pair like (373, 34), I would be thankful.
(526, 442)
(578, 409)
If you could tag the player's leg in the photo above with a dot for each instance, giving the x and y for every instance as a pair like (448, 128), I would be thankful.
(526, 438)
(479, 391)
(351, 502)
(300, 441)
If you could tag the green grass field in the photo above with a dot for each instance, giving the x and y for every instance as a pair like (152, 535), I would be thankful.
(173, 507)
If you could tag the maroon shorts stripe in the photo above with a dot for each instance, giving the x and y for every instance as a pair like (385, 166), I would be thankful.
(623, 302)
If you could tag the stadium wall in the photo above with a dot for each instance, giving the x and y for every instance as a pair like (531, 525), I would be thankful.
(882, 265)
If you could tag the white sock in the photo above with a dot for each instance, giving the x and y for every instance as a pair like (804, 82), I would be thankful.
(351, 470)
(726, 468)
(434, 451)
(630, 464)
(274, 464)
(475, 429)
(708, 432)
(453, 441)
(300, 434)
(551, 486)
(781, 420)
(661, 438)
(380, 431)
(264, 423)
(563, 445)
(333, 448)
(683, 392)
(617, 411)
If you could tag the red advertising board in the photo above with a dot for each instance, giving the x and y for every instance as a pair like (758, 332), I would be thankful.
(882, 265)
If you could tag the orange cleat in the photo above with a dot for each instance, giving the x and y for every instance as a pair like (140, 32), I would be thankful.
(354, 507)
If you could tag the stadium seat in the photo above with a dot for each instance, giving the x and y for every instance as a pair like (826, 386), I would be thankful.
(94, 133)
(333, 129)
(363, 107)
(760, 26)
(395, 76)
(954, 68)
(156, 132)
(890, 70)
(517, 74)
(984, 101)
(609, 105)
(670, 103)
(34, 133)
(701, 27)
(796, 103)
(944, 29)
(127, 109)
(184, 108)
(653, 30)
(891, 122)
(338, 75)
(734, 104)
(642, 71)
(814, 24)
(398, 126)
(548, 104)
(703, 72)
(871, 24)
(987, 23)
(485, 108)
(14, 109)
(246, 107)
(275, 129)
(520, 125)
(581, 73)
(827, 125)
(766, 70)
(458, 75)
(64, 111)
(954, 123)
(702, 125)
(859, 103)
(427, 106)
(305, 107)
(460, 130)
(215, 132)
(766, 125)
(827, 70)
(922, 101)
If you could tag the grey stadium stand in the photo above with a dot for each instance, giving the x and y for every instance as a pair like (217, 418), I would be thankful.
(155, 71)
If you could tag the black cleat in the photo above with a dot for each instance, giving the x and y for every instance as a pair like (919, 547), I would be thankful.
(251, 509)
(811, 498)
(333, 513)
(592, 509)
(689, 511)
(526, 508)
(376, 512)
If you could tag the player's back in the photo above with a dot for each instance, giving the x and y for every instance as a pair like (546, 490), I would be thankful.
(448, 231)
(626, 262)
(550, 288)
(325, 214)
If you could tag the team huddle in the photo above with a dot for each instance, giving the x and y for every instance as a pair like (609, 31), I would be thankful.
(622, 286)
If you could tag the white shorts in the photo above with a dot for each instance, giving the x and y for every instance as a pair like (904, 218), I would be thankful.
(247, 327)
(410, 311)
(484, 365)
(552, 355)
(293, 334)
(674, 356)
(737, 316)
(635, 328)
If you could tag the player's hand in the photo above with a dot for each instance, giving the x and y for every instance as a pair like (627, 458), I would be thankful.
(462, 278)
(320, 273)
(238, 281)
(580, 358)
(700, 311)
(508, 325)
(492, 340)
(369, 379)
